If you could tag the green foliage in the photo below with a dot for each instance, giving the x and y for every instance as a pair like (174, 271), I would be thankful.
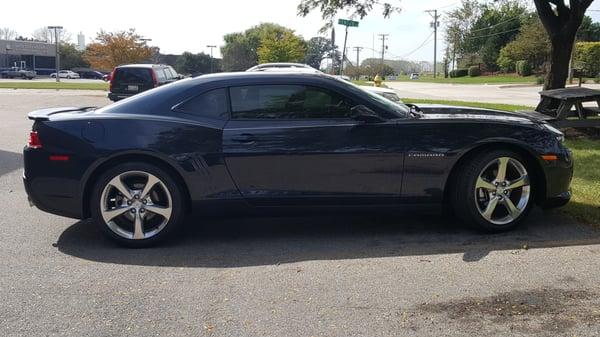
(188, 63)
(531, 44)
(281, 46)
(71, 58)
(474, 71)
(458, 73)
(589, 31)
(523, 68)
(587, 57)
(539, 80)
(317, 49)
(353, 8)
(241, 50)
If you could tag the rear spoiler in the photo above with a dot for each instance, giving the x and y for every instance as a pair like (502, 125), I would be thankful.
(44, 114)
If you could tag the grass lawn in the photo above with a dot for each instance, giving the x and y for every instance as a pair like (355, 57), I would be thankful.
(54, 85)
(492, 79)
(585, 204)
(497, 106)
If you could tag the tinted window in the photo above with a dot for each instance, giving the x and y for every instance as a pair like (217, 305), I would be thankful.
(287, 101)
(211, 104)
(160, 74)
(133, 75)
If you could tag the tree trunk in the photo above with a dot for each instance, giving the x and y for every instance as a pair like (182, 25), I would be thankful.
(558, 72)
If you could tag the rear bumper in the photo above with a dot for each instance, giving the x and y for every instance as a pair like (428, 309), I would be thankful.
(117, 97)
(55, 205)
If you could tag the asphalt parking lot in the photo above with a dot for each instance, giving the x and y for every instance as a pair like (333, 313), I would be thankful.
(333, 275)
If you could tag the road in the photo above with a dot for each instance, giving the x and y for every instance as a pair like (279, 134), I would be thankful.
(379, 275)
(507, 94)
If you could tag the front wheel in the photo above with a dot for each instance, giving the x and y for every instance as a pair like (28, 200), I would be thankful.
(493, 191)
(137, 204)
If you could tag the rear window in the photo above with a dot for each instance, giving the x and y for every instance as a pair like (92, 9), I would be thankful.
(211, 104)
(133, 75)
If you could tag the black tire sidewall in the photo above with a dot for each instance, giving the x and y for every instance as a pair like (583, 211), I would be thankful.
(177, 213)
(464, 192)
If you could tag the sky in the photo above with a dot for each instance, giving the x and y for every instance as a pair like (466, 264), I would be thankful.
(176, 26)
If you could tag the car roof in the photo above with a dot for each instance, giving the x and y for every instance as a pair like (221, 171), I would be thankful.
(279, 65)
(142, 65)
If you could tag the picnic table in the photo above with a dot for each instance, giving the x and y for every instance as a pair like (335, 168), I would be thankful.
(558, 103)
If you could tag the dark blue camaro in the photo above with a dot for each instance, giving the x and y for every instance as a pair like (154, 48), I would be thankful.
(248, 141)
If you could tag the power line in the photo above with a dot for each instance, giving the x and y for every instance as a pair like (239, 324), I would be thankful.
(494, 34)
(425, 42)
(496, 25)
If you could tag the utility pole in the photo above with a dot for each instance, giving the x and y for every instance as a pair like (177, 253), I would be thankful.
(383, 37)
(211, 46)
(57, 58)
(435, 25)
(358, 49)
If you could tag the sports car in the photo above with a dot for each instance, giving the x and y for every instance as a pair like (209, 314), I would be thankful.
(276, 141)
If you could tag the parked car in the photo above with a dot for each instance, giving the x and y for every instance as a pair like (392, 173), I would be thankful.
(291, 141)
(107, 77)
(65, 74)
(385, 92)
(89, 73)
(414, 76)
(132, 79)
(16, 72)
(279, 65)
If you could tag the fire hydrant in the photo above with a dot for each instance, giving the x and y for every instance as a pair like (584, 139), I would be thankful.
(377, 80)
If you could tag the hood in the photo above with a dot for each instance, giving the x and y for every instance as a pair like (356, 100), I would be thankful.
(435, 111)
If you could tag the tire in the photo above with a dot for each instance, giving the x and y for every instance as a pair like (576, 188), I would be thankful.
(482, 199)
(107, 201)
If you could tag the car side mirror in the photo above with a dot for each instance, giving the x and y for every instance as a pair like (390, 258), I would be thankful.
(365, 114)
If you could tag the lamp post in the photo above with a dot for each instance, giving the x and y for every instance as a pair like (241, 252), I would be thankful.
(56, 28)
(211, 56)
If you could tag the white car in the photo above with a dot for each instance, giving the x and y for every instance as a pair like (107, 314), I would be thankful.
(414, 76)
(65, 74)
(385, 92)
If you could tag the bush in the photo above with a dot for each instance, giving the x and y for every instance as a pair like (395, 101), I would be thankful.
(597, 79)
(474, 71)
(539, 80)
(459, 73)
(587, 57)
(524, 68)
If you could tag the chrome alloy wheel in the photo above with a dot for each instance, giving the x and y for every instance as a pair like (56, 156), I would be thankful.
(136, 205)
(502, 190)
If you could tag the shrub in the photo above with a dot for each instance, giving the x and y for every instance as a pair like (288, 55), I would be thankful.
(597, 79)
(539, 80)
(459, 73)
(474, 71)
(587, 57)
(524, 68)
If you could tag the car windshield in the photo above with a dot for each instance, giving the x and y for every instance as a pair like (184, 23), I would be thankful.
(398, 108)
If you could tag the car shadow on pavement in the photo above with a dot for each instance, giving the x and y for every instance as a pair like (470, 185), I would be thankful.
(10, 161)
(237, 242)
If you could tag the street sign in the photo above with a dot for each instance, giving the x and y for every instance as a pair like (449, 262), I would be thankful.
(348, 23)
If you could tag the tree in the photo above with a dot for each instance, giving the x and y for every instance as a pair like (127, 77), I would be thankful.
(70, 57)
(240, 51)
(531, 45)
(188, 63)
(45, 34)
(497, 25)
(112, 49)
(356, 8)
(7, 34)
(458, 22)
(589, 31)
(317, 49)
(561, 23)
(281, 46)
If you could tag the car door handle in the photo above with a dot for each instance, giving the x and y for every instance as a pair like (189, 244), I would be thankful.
(244, 138)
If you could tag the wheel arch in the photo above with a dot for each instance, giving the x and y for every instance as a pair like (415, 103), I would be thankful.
(532, 161)
(95, 172)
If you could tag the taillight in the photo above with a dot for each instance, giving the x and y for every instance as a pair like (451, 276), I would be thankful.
(154, 80)
(34, 140)
(112, 77)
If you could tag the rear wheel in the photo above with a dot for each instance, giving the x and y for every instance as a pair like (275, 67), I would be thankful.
(494, 192)
(137, 204)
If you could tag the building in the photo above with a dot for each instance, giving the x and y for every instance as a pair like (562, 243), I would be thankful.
(34, 55)
(80, 42)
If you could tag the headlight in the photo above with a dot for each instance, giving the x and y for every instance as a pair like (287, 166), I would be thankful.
(559, 135)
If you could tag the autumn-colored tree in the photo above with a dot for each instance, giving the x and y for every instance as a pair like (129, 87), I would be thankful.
(111, 49)
(281, 46)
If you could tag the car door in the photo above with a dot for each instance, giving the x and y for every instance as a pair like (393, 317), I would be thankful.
(297, 144)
